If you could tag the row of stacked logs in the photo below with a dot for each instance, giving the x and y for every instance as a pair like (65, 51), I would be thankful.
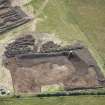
(11, 17)
(21, 45)
(4, 4)
(26, 45)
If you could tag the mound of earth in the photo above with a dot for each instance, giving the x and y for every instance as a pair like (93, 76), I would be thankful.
(71, 67)
(11, 17)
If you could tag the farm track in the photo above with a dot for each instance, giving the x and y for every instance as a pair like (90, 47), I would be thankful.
(39, 11)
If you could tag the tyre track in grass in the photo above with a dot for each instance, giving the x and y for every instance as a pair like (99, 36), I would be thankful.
(39, 11)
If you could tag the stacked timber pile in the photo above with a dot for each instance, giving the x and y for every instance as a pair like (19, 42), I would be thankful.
(26, 46)
(50, 45)
(23, 45)
(11, 17)
(4, 4)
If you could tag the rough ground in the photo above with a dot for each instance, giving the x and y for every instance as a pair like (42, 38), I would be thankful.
(31, 73)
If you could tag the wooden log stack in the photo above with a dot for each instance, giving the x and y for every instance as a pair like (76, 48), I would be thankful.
(11, 17)
(23, 45)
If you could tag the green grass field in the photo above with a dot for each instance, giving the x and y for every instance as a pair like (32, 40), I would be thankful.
(77, 100)
(72, 20)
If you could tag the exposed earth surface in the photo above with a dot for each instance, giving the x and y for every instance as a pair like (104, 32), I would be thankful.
(52, 47)
(34, 66)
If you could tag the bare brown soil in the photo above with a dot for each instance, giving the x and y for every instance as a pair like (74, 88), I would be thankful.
(29, 75)
(72, 67)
